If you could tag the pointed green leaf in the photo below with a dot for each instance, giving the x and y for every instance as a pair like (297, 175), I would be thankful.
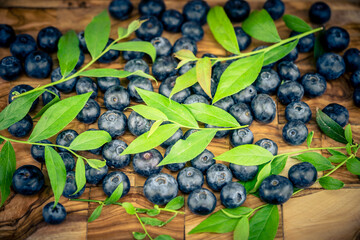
(330, 183)
(134, 25)
(331, 128)
(185, 54)
(264, 224)
(95, 163)
(353, 165)
(241, 231)
(316, 159)
(149, 112)
(110, 72)
(152, 221)
(295, 23)
(7, 169)
(139, 235)
(348, 134)
(137, 46)
(309, 138)
(129, 208)
(184, 81)
(175, 203)
(337, 157)
(52, 102)
(203, 74)
(90, 140)
(80, 175)
(263, 173)
(155, 126)
(68, 53)
(116, 195)
(236, 212)
(279, 52)
(96, 213)
(278, 164)
(163, 237)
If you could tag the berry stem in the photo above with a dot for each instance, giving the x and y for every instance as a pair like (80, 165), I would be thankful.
(170, 210)
(143, 226)
(309, 150)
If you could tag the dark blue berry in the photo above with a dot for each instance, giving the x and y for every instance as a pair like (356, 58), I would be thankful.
(267, 82)
(319, 13)
(185, 43)
(111, 153)
(90, 112)
(82, 42)
(219, 134)
(336, 39)
(151, 7)
(243, 173)
(160, 188)
(246, 95)
(218, 71)
(288, 71)
(355, 79)
(201, 201)
(54, 215)
(275, 8)
(95, 176)
(292, 56)
(164, 67)
(225, 103)
(352, 59)
(85, 85)
(38, 151)
(23, 45)
(302, 175)
(290, 91)
(7, 35)
(67, 86)
(298, 111)
(338, 113)
(314, 84)
(47, 96)
(356, 97)
(167, 86)
(112, 181)
(190, 179)
(306, 43)
(105, 82)
(243, 39)
(330, 65)
(38, 64)
(172, 20)
(80, 61)
(145, 163)
(10, 68)
(120, 9)
(139, 82)
(149, 29)
(276, 189)
(174, 167)
(110, 55)
(269, 145)
(196, 11)
(71, 187)
(237, 10)
(295, 132)
(128, 55)
(137, 124)
(197, 89)
(162, 46)
(68, 160)
(65, 138)
(134, 65)
(195, 98)
(22, 127)
(114, 122)
(203, 161)
(217, 176)
(22, 88)
(233, 195)
(48, 38)
(116, 98)
(27, 180)
(241, 136)
(173, 139)
(192, 30)
(263, 108)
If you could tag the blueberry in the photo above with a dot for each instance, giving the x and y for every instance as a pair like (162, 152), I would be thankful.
(319, 13)
(201, 201)
(120, 9)
(114, 122)
(167, 86)
(243, 39)
(306, 43)
(95, 176)
(270, 65)
(173, 139)
(137, 124)
(303, 175)
(352, 59)
(160, 188)
(233, 195)
(192, 30)
(22, 88)
(23, 45)
(185, 43)
(90, 112)
(355, 79)
(85, 85)
(47, 96)
(219, 134)
(82, 42)
(242, 113)
(81, 60)
(139, 82)
(356, 97)
(145, 163)
(267, 82)
(71, 187)
(275, 8)
(336, 39)
(128, 55)
(38, 64)
(241, 136)
(186, 67)
(290, 91)
(65, 87)
(150, 29)
(151, 7)
(7, 35)
(219, 70)
(112, 181)
(237, 10)
(314, 84)
(172, 20)
(225, 103)
(330, 65)
(162, 46)
(164, 67)
(243, 173)
(263, 108)
(246, 95)
(27, 180)
(298, 111)
(188, 133)
(134, 65)
(110, 55)
(54, 215)
(196, 11)
(288, 71)
(217, 176)
(203, 161)
(338, 113)
(96, 151)
(22, 127)
(68, 160)
(174, 167)
(48, 38)
(190, 179)
(269, 145)
(10, 68)
(38, 151)
(292, 56)
(197, 89)
(116, 98)
(195, 98)
(105, 82)
(111, 153)
(65, 138)
(295, 132)
(276, 189)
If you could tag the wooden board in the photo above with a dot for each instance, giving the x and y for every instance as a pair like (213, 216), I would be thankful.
(313, 214)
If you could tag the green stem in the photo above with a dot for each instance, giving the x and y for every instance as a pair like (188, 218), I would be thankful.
(255, 209)
(170, 210)
(142, 224)
(308, 150)
(87, 200)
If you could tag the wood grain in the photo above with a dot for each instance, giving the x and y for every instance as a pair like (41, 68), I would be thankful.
(313, 214)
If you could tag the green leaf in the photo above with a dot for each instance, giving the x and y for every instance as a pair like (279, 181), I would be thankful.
(239, 75)
(295, 23)
(17, 109)
(185, 54)
(249, 185)
(348, 148)
(136, 46)
(97, 33)
(337, 157)
(90, 140)
(149, 112)
(212, 115)
(277, 53)
(116, 195)
(152, 221)
(263, 173)
(163, 237)
(96, 213)
(318, 48)
(241, 231)
(278, 164)
(264, 224)
(7, 169)
(184, 81)
(95, 163)
(52, 102)
(80, 175)
(203, 74)
(316, 159)
(144, 143)
(348, 134)
(155, 126)
(222, 29)
(56, 171)
(353, 165)
(309, 138)
(185, 150)
(331, 128)
(247, 155)
(129, 208)
(133, 26)
(139, 235)
(175, 203)
(153, 212)
(173, 110)
(110, 72)
(260, 25)
(58, 116)
(330, 183)
(236, 212)
(68, 53)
